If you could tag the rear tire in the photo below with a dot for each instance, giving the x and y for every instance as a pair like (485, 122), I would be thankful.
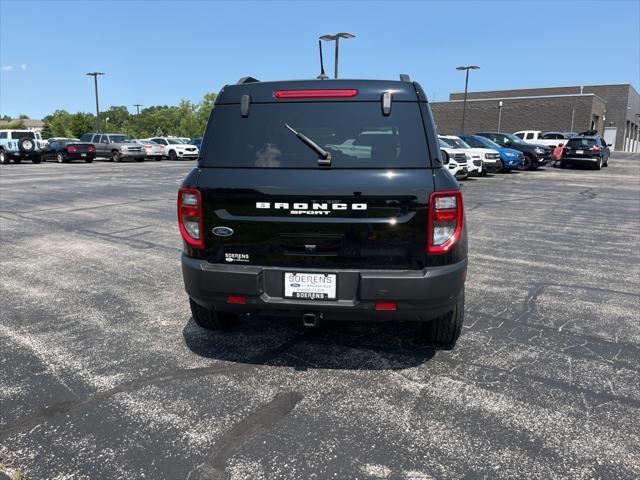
(60, 158)
(17, 160)
(209, 319)
(4, 158)
(598, 165)
(444, 331)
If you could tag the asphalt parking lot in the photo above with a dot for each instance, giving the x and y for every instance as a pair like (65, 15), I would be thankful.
(105, 375)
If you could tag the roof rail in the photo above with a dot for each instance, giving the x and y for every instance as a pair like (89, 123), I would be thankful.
(404, 77)
(247, 80)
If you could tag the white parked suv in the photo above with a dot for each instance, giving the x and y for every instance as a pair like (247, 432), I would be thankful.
(487, 158)
(17, 145)
(174, 149)
(474, 160)
(455, 160)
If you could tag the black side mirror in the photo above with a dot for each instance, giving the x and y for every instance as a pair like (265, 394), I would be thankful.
(609, 145)
(445, 157)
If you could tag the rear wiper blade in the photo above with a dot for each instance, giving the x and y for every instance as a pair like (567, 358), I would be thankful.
(324, 157)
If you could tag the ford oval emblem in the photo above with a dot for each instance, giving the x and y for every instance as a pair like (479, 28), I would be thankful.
(222, 231)
(295, 285)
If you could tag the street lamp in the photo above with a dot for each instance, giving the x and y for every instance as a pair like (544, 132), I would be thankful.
(336, 38)
(466, 84)
(106, 124)
(95, 82)
(499, 114)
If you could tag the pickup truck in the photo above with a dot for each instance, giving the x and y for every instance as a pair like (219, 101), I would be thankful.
(284, 216)
(115, 146)
(550, 139)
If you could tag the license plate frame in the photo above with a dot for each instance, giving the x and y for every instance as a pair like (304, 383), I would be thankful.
(303, 286)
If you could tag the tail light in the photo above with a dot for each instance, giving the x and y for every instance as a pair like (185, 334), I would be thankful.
(72, 149)
(595, 149)
(190, 216)
(92, 148)
(445, 222)
(386, 306)
(237, 300)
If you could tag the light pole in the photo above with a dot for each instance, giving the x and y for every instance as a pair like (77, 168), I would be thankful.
(95, 82)
(466, 85)
(336, 38)
(137, 105)
(106, 124)
(499, 114)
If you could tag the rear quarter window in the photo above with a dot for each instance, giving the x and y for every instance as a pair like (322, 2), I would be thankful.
(356, 134)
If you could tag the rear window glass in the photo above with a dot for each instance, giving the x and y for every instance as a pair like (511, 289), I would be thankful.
(581, 142)
(356, 134)
(18, 135)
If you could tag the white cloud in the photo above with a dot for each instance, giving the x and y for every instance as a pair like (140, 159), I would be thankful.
(6, 68)
(23, 66)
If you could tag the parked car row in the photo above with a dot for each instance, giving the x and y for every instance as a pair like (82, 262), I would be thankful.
(483, 152)
(18, 145)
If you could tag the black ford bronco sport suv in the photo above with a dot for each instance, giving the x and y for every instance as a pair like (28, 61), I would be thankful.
(327, 200)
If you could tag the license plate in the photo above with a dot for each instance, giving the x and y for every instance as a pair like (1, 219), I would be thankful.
(83, 154)
(579, 152)
(310, 286)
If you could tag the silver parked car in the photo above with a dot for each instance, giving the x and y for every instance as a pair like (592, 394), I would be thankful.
(152, 149)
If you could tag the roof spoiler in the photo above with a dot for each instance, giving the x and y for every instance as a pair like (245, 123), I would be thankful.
(247, 80)
(404, 77)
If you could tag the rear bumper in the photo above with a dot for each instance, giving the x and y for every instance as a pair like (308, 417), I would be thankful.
(18, 154)
(580, 159)
(78, 156)
(419, 294)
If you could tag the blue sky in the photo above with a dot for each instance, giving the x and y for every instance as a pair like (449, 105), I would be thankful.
(158, 52)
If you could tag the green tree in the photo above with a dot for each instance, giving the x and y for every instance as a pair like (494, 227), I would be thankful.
(80, 123)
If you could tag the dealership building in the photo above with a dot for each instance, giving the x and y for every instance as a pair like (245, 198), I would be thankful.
(612, 110)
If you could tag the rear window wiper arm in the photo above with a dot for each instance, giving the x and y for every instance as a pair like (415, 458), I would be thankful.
(324, 157)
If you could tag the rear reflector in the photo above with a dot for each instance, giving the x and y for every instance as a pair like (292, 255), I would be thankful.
(325, 93)
(190, 216)
(386, 306)
(237, 300)
(445, 222)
